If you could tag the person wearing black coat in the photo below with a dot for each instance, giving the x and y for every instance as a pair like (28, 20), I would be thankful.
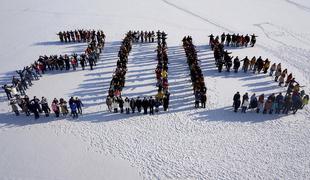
(151, 105)
(237, 101)
(236, 64)
(133, 105)
(121, 104)
(166, 100)
(138, 104)
(33, 109)
(91, 62)
(37, 104)
(260, 64)
(203, 100)
(145, 105)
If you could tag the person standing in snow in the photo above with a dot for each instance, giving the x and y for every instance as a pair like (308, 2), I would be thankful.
(287, 104)
(55, 107)
(246, 63)
(83, 62)
(145, 105)
(151, 105)
(245, 97)
(14, 107)
(133, 105)
(223, 36)
(278, 103)
(7, 90)
(253, 40)
(45, 107)
(63, 107)
(267, 107)
(33, 108)
(236, 64)
(139, 104)
(203, 100)
(296, 102)
(157, 104)
(237, 101)
(115, 105)
(109, 103)
(127, 105)
(253, 102)
(266, 66)
(197, 98)
(252, 63)
(260, 104)
(272, 69)
(79, 105)
(245, 105)
(73, 108)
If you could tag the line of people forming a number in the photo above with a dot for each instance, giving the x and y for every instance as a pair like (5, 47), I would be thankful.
(16, 92)
(115, 101)
(198, 83)
(294, 99)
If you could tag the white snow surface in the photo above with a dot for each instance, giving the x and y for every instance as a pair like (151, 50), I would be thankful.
(184, 143)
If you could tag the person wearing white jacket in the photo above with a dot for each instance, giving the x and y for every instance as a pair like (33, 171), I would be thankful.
(245, 105)
(127, 105)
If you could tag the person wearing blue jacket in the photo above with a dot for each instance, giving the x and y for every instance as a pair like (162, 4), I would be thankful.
(73, 108)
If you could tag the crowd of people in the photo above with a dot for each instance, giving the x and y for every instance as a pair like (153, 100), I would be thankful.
(81, 35)
(133, 105)
(161, 71)
(119, 76)
(142, 36)
(17, 90)
(232, 40)
(294, 99)
(67, 62)
(199, 87)
(50, 63)
(115, 101)
(38, 106)
(291, 102)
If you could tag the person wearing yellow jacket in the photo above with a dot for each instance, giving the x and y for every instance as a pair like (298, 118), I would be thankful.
(164, 74)
(160, 95)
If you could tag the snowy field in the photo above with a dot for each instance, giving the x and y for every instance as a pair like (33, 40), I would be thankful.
(184, 143)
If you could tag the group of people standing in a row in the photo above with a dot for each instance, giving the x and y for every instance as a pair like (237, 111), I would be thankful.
(161, 71)
(134, 105)
(232, 40)
(142, 36)
(37, 106)
(199, 87)
(272, 104)
(65, 62)
(118, 78)
(81, 35)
